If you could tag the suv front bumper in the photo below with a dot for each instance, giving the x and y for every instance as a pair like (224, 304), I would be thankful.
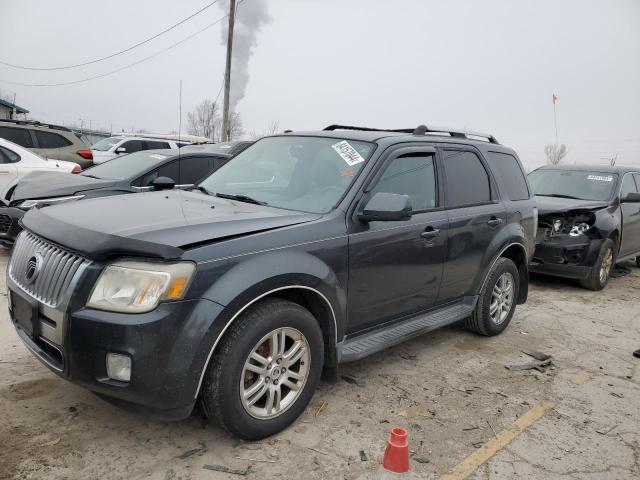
(566, 256)
(168, 348)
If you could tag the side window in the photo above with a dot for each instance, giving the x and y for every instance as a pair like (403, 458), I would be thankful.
(133, 146)
(21, 136)
(412, 175)
(193, 169)
(50, 140)
(154, 145)
(218, 162)
(8, 156)
(509, 175)
(467, 181)
(637, 177)
(628, 185)
(171, 170)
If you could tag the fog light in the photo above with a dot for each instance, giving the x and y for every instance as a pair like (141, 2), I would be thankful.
(118, 367)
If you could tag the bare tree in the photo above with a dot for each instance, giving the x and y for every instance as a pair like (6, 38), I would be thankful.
(205, 120)
(555, 153)
(235, 126)
(272, 128)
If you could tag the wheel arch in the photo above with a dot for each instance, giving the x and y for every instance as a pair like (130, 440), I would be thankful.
(517, 253)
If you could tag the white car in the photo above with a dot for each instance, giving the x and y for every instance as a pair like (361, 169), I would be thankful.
(111, 147)
(17, 162)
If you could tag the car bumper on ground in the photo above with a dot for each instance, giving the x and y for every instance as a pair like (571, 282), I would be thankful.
(166, 346)
(565, 256)
(9, 224)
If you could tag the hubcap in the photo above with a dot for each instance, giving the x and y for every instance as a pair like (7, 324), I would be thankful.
(501, 298)
(274, 373)
(605, 267)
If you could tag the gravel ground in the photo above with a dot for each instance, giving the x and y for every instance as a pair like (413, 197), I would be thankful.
(450, 389)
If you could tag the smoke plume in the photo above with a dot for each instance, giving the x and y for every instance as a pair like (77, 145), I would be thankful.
(250, 16)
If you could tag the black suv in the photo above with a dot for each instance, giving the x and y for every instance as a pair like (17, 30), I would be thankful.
(305, 251)
(589, 219)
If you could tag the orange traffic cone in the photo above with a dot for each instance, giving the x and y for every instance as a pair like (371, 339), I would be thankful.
(396, 455)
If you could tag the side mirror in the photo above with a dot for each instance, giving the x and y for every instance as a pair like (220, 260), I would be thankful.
(163, 183)
(632, 197)
(386, 207)
(121, 150)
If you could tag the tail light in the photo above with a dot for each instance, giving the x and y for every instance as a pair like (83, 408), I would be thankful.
(85, 154)
(76, 169)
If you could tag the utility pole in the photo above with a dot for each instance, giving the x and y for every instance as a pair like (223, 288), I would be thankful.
(555, 117)
(227, 73)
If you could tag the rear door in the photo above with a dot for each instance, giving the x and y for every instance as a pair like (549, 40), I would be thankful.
(475, 217)
(395, 267)
(630, 239)
(156, 145)
(8, 169)
(20, 136)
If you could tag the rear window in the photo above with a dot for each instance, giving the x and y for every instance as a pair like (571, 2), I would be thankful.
(21, 136)
(51, 140)
(509, 175)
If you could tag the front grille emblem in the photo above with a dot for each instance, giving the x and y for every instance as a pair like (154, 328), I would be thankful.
(32, 270)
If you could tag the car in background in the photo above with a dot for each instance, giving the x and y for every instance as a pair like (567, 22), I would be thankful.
(239, 293)
(50, 141)
(231, 148)
(137, 172)
(588, 220)
(108, 148)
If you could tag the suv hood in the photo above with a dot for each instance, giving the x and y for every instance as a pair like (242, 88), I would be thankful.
(547, 205)
(153, 224)
(55, 184)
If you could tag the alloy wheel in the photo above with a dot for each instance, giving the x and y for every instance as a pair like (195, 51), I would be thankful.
(501, 298)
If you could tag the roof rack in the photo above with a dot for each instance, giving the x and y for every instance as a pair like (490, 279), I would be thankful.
(422, 130)
(35, 123)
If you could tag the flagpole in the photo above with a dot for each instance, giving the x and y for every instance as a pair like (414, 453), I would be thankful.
(555, 117)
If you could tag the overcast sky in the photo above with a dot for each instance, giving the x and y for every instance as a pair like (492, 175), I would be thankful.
(489, 65)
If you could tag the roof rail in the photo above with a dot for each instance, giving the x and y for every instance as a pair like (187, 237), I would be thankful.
(35, 123)
(421, 130)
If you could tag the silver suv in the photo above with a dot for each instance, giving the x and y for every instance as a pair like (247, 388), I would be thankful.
(50, 141)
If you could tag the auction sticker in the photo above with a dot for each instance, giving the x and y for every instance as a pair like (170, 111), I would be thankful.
(348, 153)
(600, 178)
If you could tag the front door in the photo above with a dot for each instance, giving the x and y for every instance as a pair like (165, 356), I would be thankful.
(395, 267)
(630, 239)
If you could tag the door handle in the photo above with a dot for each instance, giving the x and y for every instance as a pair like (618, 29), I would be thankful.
(494, 222)
(430, 232)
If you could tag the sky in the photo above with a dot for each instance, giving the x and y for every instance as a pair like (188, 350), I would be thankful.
(490, 66)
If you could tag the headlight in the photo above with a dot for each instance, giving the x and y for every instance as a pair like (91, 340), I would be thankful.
(43, 202)
(137, 287)
(579, 229)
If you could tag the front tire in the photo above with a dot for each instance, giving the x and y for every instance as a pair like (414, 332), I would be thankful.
(599, 276)
(265, 371)
(497, 300)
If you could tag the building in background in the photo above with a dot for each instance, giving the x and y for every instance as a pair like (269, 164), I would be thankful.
(10, 111)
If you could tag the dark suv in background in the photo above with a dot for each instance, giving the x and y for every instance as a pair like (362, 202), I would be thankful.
(305, 251)
(589, 219)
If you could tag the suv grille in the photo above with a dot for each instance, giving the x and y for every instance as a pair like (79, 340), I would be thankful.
(42, 269)
(5, 223)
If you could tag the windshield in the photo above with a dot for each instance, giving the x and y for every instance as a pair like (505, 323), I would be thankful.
(105, 144)
(582, 185)
(230, 148)
(125, 166)
(309, 174)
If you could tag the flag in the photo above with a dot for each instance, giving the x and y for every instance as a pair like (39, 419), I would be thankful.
(554, 98)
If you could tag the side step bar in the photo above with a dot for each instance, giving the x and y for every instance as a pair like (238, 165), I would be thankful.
(353, 349)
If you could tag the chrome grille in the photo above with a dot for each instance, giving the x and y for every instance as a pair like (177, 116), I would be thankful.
(56, 268)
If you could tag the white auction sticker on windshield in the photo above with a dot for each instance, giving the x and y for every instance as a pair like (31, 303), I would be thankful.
(600, 178)
(348, 153)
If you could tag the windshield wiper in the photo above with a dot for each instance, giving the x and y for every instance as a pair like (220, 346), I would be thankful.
(240, 197)
(90, 176)
(558, 195)
(202, 189)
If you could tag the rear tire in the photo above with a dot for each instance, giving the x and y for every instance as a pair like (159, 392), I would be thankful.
(599, 276)
(265, 370)
(497, 300)
(638, 261)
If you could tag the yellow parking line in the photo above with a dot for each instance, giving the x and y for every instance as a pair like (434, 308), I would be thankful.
(497, 443)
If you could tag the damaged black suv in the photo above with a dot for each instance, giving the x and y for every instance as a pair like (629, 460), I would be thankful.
(305, 251)
(589, 219)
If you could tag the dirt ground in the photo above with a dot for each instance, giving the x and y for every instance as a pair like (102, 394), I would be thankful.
(449, 389)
